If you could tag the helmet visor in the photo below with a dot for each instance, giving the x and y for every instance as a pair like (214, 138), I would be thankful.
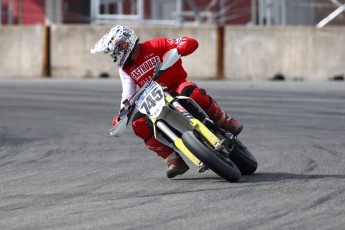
(120, 46)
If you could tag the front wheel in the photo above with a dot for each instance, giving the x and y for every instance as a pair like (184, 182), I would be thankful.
(219, 164)
(245, 161)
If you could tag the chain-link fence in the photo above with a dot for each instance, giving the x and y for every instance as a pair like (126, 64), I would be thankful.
(301, 12)
(224, 12)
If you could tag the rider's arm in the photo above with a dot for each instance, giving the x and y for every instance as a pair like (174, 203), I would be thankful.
(184, 45)
(128, 86)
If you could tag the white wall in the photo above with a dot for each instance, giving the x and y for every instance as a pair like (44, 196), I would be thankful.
(296, 52)
(250, 53)
(21, 51)
(71, 50)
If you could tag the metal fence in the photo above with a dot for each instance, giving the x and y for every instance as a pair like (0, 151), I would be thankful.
(224, 12)
(301, 12)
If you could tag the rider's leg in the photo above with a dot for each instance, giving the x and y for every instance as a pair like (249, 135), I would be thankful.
(176, 165)
(210, 106)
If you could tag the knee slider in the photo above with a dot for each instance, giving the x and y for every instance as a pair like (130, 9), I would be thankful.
(186, 88)
(201, 97)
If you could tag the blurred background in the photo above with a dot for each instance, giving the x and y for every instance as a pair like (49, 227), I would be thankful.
(239, 39)
(229, 12)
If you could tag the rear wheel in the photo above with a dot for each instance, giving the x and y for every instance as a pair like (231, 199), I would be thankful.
(219, 164)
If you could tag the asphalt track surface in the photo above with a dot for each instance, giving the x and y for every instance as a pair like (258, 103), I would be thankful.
(60, 169)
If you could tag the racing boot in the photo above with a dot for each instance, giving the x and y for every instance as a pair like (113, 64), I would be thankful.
(176, 165)
(222, 119)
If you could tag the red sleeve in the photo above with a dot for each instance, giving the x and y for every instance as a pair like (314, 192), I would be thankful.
(184, 45)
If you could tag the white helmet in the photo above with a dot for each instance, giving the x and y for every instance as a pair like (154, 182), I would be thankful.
(118, 42)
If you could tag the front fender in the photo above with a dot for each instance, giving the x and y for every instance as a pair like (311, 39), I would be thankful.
(192, 107)
(175, 119)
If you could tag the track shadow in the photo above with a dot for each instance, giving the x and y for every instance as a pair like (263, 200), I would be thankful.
(279, 176)
(200, 178)
(265, 177)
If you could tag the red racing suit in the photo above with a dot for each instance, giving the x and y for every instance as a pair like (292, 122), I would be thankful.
(137, 72)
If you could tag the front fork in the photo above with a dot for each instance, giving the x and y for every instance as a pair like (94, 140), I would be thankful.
(178, 142)
(197, 125)
(212, 139)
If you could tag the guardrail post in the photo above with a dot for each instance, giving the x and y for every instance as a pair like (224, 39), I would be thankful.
(46, 65)
(220, 52)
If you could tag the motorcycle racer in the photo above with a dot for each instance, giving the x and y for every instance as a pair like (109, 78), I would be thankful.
(136, 62)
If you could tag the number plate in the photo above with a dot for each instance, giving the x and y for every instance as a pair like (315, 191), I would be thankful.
(151, 101)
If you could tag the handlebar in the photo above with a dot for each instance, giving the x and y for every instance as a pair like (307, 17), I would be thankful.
(170, 59)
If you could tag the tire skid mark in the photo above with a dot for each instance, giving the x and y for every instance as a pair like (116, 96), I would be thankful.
(332, 152)
(324, 199)
(311, 165)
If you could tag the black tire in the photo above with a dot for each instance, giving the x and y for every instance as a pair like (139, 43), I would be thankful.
(220, 165)
(244, 160)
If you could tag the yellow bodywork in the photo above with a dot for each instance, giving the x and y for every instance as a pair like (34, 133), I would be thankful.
(199, 127)
(205, 132)
(179, 144)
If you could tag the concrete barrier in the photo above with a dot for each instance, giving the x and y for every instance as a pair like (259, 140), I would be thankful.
(70, 53)
(22, 51)
(249, 53)
(71, 44)
(298, 53)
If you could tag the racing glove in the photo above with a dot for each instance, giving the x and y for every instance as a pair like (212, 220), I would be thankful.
(115, 120)
(186, 46)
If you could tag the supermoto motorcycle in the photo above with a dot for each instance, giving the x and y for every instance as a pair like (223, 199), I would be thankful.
(181, 124)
